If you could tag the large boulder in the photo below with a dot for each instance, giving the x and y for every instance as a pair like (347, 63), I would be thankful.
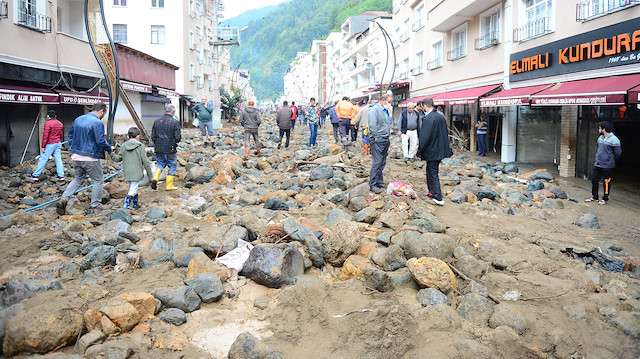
(432, 273)
(341, 242)
(321, 172)
(99, 257)
(200, 174)
(379, 280)
(354, 267)
(431, 296)
(207, 285)
(183, 298)
(435, 245)
(42, 328)
(588, 220)
(274, 265)
(121, 313)
(389, 258)
(476, 309)
(14, 292)
(203, 264)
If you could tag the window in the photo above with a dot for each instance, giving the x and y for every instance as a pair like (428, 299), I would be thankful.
(489, 30)
(157, 34)
(590, 9)
(405, 33)
(32, 14)
(419, 64)
(58, 19)
(200, 57)
(119, 2)
(192, 40)
(436, 56)
(199, 7)
(210, 85)
(396, 41)
(458, 44)
(417, 18)
(120, 33)
(199, 32)
(405, 69)
(192, 72)
(209, 60)
(157, 3)
(537, 15)
(192, 12)
(199, 82)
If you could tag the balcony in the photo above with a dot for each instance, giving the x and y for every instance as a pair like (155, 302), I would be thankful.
(417, 25)
(404, 37)
(446, 18)
(403, 75)
(396, 43)
(34, 21)
(435, 64)
(456, 53)
(532, 29)
(590, 9)
(487, 40)
(416, 71)
(4, 10)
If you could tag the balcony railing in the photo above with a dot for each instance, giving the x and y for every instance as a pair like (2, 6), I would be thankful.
(403, 75)
(34, 20)
(457, 53)
(532, 29)
(590, 9)
(417, 25)
(396, 43)
(435, 64)
(4, 9)
(416, 71)
(487, 40)
(404, 37)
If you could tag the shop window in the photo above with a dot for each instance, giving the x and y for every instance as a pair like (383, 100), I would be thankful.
(157, 3)
(120, 33)
(458, 44)
(489, 30)
(538, 136)
(436, 56)
(157, 34)
(538, 16)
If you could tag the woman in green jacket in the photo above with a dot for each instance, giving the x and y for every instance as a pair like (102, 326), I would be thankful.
(134, 161)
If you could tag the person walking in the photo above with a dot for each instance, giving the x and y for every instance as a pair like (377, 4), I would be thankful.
(609, 151)
(379, 132)
(434, 147)
(134, 162)
(407, 128)
(362, 119)
(324, 112)
(313, 116)
(51, 145)
(87, 146)
(294, 116)
(203, 111)
(335, 121)
(344, 110)
(481, 132)
(283, 119)
(354, 123)
(166, 134)
(250, 120)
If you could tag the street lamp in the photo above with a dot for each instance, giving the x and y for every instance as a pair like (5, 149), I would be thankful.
(387, 41)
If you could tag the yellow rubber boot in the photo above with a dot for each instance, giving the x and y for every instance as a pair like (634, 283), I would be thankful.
(155, 179)
(170, 186)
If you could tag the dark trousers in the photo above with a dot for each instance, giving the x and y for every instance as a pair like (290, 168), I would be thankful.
(379, 150)
(286, 132)
(336, 130)
(433, 180)
(354, 133)
(605, 174)
(482, 144)
(345, 125)
(293, 125)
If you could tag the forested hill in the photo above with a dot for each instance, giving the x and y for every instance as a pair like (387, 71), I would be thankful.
(270, 43)
(248, 16)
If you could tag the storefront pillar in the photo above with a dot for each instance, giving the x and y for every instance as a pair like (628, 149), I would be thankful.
(44, 109)
(509, 133)
(473, 138)
(568, 141)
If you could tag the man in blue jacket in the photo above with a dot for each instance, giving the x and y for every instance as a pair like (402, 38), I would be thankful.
(335, 122)
(87, 146)
(609, 151)
(379, 132)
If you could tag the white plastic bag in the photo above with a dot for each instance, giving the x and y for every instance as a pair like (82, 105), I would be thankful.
(400, 189)
(236, 258)
(196, 122)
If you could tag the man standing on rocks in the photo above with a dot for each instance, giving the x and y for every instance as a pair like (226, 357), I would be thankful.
(51, 144)
(87, 145)
(250, 120)
(283, 119)
(481, 132)
(166, 134)
(362, 121)
(345, 111)
(434, 147)
(379, 132)
(335, 122)
(294, 116)
(408, 131)
(313, 115)
(203, 110)
(609, 151)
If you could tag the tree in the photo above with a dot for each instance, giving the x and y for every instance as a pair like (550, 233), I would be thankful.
(231, 101)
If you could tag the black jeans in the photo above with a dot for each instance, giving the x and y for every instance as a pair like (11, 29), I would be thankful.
(286, 132)
(433, 180)
(379, 150)
(336, 131)
(605, 174)
(354, 133)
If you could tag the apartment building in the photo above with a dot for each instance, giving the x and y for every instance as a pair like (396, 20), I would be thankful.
(242, 82)
(306, 76)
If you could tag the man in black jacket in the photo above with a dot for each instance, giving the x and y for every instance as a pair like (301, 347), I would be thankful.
(434, 146)
(165, 135)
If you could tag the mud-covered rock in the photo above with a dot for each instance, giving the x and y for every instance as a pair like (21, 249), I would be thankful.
(273, 265)
(431, 296)
(247, 346)
(354, 267)
(476, 309)
(342, 241)
(173, 316)
(432, 273)
(207, 285)
(183, 298)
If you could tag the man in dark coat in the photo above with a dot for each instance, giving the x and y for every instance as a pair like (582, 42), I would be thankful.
(434, 146)
(165, 135)
(283, 119)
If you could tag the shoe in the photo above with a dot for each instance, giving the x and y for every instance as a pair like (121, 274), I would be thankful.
(60, 178)
(438, 202)
(99, 208)
(246, 152)
(61, 206)
(279, 144)
(170, 186)
(127, 202)
(155, 179)
(134, 202)
(259, 151)
(429, 194)
(375, 189)
(206, 144)
(590, 199)
(602, 201)
(33, 178)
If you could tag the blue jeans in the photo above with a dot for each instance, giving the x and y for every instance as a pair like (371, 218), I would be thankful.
(482, 144)
(167, 160)
(314, 133)
(50, 149)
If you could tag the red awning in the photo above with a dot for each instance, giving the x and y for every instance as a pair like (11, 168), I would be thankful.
(413, 99)
(519, 96)
(602, 91)
(82, 98)
(462, 97)
(19, 94)
(634, 95)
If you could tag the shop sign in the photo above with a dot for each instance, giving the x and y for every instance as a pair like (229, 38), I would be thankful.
(16, 96)
(78, 99)
(132, 86)
(614, 45)
(399, 98)
(578, 100)
(165, 92)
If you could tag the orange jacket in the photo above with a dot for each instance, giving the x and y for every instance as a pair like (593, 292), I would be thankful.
(344, 109)
(354, 114)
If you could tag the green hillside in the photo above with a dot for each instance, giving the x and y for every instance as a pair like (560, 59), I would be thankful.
(270, 43)
(248, 16)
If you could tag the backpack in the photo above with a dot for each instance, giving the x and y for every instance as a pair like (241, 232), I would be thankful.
(324, 112)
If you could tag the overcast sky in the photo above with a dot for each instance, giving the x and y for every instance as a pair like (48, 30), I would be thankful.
(233, 8)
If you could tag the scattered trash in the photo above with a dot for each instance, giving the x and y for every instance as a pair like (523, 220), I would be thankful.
(355, 311)
(599, 256)
(400, 189)
(511, 296)
(236, 258)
